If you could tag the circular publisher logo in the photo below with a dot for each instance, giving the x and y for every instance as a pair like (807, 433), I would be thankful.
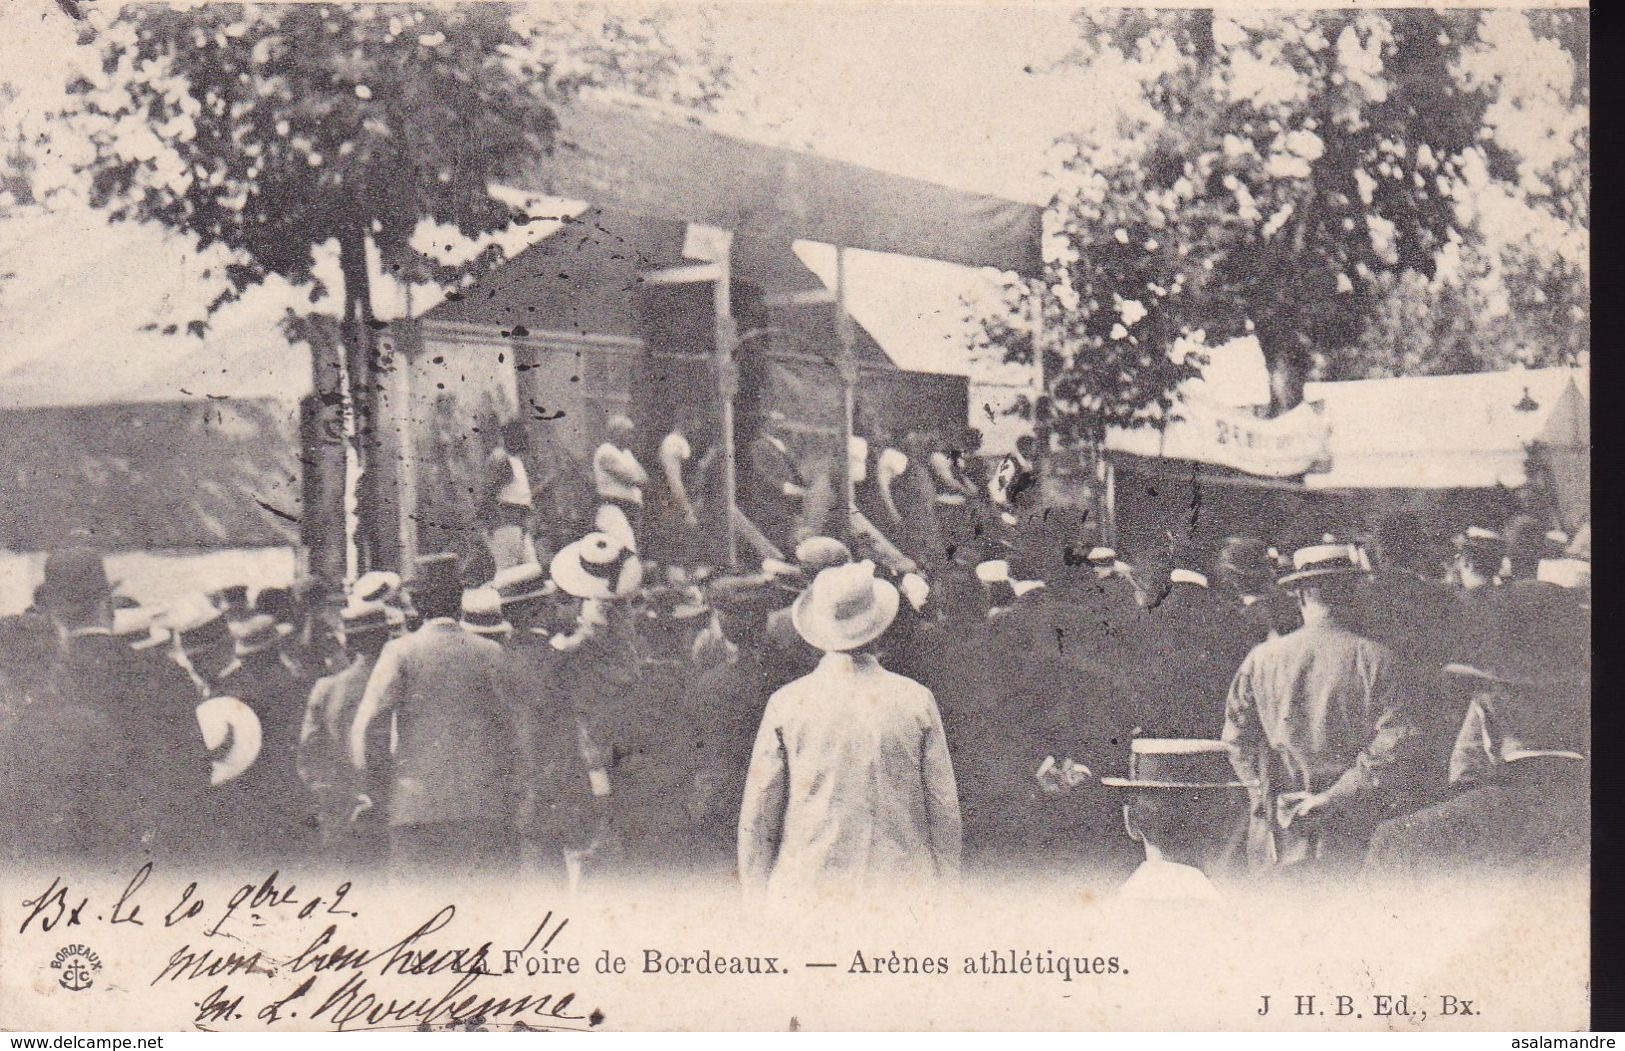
(78, 965)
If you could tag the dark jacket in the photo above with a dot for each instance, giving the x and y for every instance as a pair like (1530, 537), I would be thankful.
(1425, 626)
(1056, 692)
(552, 780)
(67, 782)
(723, 708)
(1189, 647)
(767, 469)
(268, 810)
(151, 707)
(1535, 817)
(456, 754)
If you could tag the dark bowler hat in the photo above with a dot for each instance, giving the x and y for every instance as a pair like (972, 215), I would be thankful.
(74, 576)
(277, 603)
(1176, 764)
(233, 598)
(437, 573)
(1529, 632)
(202, 631)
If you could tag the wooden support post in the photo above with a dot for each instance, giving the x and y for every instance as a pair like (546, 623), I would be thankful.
(727, 340)
(847, 364)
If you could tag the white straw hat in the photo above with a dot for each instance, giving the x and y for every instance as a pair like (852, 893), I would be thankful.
(845, 607)
(597, 566)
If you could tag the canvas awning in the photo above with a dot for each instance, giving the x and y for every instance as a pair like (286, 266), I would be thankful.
(628, 158)
(1206, 431)
(1448, 432)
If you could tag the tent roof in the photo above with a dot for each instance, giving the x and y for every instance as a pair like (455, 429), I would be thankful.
(581, 278)
(80, 290)
(629, 158)
(1447, 432)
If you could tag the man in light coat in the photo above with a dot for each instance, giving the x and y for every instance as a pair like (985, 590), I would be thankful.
(850, 785)
(1317, 721)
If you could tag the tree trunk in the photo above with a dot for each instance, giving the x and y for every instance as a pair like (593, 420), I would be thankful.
(360, 399)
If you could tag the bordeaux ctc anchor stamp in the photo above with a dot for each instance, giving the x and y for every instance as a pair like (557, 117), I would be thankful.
(79, 966)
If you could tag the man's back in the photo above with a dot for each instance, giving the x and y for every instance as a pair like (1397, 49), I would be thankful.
(324, 738)
(857, 758)
(454, 761)
(1191, 645)
(152, 714)
(1317, 694)
(65, 769)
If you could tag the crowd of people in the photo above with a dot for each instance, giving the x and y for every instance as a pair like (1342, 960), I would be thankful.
(955, 677)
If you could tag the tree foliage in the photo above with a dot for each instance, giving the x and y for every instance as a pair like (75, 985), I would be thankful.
(1300, 177)
(273, 129)
(270, 131)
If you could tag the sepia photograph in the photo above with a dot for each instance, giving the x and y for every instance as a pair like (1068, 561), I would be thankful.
(1018, 516)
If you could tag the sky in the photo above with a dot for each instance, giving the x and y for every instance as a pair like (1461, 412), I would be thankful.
(956, 95)
(969, 96)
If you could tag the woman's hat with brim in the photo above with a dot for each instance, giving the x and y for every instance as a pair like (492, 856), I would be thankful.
(1176, 765)
(482, 612)
(845, 607)
(1324, 560)
(598, 566)
(1528, 633)
(228, 722)
(257, 633)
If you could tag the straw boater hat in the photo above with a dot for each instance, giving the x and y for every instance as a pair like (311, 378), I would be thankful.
(1102, 557)
(598, 566)
(845, 607)
(1324, 560)
(995, 576)
(378, 585)
(482, 612)
(139, 627)
(817, 553)
(257, 633)
(525, 582)
(227, 719)
(1487, 540)
(1176, 765)
(366, 618)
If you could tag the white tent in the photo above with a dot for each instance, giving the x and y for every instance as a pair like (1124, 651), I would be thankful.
(1448, 432)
